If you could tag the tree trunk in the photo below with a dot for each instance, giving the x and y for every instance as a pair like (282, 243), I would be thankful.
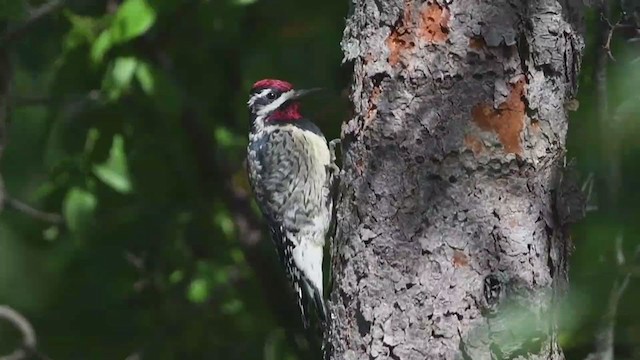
(448, 242)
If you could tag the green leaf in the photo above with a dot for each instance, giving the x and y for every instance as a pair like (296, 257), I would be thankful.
(92, 138)
(123, 71)
(232, 307)
(198, 291)
(145, 77)
(225, 223)
(133, 18)
(237, 255)
(101, 46)
(78, 207)
(118, 78)
(51, 233)
(227, 138)
(176, 276)
(84, 30)
(115, 172)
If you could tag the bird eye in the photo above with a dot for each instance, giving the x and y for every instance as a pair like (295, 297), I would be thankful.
(271, 95)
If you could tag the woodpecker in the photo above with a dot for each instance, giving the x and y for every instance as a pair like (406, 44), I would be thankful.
(291, 170)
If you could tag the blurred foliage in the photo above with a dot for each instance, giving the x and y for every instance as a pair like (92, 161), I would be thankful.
(104, 102)
(148, 260)
(609, 149)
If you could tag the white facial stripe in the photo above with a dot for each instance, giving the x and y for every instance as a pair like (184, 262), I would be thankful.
(276, 104)
(255, 97)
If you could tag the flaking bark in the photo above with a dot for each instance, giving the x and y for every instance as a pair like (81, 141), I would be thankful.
(448, 242)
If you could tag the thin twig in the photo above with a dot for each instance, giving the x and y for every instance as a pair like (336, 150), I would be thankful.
(36, 15)
(32, 212)
(609, 35)
(604, 347)
(611, 29)
(25, 328)
(609, 177)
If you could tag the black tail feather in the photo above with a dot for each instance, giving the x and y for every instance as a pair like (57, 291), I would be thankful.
(305, 291)
(313, 295)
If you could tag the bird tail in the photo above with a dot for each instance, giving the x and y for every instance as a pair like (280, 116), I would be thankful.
(315, 296)
(318, 300)
(307, 289)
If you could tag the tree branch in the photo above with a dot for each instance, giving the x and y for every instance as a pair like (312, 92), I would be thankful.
(28, 347)
(608, 34)
(32, 212)
(12, 35)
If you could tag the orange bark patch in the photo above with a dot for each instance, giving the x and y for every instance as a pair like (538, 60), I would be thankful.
(435, 20)
(401, 39)
(477, 43)
(398, 42)
(460, 259)
(434, 28)
(474, 143)
(507, 121)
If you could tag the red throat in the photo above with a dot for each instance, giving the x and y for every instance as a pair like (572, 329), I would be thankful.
(291, 112)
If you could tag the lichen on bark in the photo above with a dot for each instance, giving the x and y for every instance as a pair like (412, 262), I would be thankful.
(447, 244)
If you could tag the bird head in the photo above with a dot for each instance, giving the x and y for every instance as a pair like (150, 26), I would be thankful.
(275, 100)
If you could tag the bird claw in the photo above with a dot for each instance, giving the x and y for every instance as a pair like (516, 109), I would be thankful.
(332, 169)
(332, 149)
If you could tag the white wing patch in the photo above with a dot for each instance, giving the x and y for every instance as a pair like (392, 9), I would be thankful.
(308, 257)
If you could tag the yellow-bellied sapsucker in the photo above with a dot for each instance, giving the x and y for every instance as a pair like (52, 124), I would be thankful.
(291, 170)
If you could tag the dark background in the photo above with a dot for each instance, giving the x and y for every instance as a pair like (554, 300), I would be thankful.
(129, 119)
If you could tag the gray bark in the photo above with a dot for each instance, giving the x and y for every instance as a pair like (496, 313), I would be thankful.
(449, 244)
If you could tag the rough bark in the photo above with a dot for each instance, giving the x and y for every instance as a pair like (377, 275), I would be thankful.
(449, 244)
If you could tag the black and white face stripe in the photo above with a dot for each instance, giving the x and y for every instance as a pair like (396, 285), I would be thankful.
(258, 94)
(263, 102)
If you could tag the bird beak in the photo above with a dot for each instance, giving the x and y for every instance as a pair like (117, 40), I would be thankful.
(300, 93)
